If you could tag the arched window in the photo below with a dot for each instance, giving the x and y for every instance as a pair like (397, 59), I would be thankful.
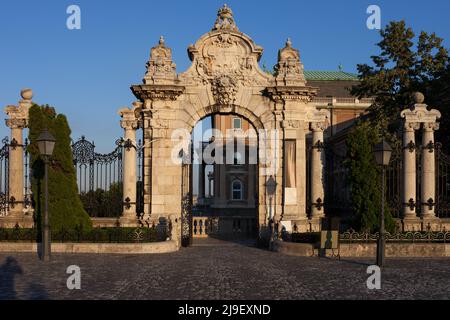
(237, 190)
(237, 159)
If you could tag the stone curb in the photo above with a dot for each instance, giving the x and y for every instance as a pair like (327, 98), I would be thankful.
(102, 248)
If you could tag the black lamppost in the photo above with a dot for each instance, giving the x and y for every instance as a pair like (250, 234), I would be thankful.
(46, 143)
(383, 152)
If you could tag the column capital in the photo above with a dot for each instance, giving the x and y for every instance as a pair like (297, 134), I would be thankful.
(318, 126)
(16, 123)
(411, 126)
(130, 117)
(129, 124)
(431, 126)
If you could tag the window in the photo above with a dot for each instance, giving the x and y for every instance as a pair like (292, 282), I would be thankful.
(237, 159)
(237, 123)
(237, 190)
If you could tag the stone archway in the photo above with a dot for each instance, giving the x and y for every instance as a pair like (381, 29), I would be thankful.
(225, 77)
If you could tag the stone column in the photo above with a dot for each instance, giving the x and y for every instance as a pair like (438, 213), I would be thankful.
(16, 173)
(409, 170)
(17, 121)
(428, 171)
(129, 123)
(317, 185)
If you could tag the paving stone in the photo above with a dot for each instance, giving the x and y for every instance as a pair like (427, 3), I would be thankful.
(219, 270)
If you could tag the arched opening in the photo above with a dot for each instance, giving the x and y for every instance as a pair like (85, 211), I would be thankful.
(224, 178)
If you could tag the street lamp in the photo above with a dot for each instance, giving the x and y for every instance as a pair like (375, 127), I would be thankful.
(46, 143)
(383, 152)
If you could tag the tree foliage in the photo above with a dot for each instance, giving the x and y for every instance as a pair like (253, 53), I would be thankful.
(365, 179)
(405, 64)
(65, 208)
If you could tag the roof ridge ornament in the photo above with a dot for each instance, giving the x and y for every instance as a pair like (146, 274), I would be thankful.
(225, 20)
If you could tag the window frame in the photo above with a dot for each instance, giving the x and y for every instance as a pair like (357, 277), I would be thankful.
(240, 190)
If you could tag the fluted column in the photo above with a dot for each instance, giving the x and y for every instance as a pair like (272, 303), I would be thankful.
(409, 170)
(129, 123)
(428, 170)
(317, 185)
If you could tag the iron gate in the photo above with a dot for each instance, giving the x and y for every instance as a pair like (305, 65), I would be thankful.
(99, 178)
(186, 198)
(393, 183)
(442, 183)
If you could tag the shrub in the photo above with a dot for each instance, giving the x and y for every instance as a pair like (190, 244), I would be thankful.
(65, 207)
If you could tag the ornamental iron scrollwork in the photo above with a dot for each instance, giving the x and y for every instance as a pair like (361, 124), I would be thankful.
(319, 146)
(411, 236)
(411, 204)
(319, 204)
(99, 178)
(430, 203)
(411, 146)
(430, 146)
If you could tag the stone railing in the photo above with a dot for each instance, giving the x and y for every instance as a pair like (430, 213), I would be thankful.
(200, 227)
(334, 101)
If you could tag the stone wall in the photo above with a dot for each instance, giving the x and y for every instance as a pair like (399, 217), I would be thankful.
(368, 250)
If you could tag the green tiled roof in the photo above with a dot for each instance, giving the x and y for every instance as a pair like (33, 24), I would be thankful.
(330, 76)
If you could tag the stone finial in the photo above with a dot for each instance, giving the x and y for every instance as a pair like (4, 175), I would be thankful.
(26, 94)
(160, 68)
(418, 97)
(288, 43)
(419, 112)
(225, 20)
(289, 69)
(18, 115)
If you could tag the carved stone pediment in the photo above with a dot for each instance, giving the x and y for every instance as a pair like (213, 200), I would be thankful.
(226, 59)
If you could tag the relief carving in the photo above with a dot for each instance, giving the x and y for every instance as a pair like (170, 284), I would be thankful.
(224, 89)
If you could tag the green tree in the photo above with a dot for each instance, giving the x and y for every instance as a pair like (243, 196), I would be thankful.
(365, 178)
(404, 65)
(65, 207)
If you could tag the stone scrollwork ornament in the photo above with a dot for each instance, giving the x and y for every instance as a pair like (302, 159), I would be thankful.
(224, 89)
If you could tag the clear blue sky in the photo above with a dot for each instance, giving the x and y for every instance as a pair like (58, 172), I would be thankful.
(86, 74)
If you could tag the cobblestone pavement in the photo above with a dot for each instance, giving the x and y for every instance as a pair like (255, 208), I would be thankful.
(221, 271)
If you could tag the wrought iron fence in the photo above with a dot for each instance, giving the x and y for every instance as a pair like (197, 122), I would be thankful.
(96, 235)
(337, 187)
(140, 178)
(99, 178)
(428, 236)
(393, 183)
(4, 177)
(442, 183)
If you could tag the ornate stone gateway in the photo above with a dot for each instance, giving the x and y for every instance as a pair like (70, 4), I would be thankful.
(225, 78)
